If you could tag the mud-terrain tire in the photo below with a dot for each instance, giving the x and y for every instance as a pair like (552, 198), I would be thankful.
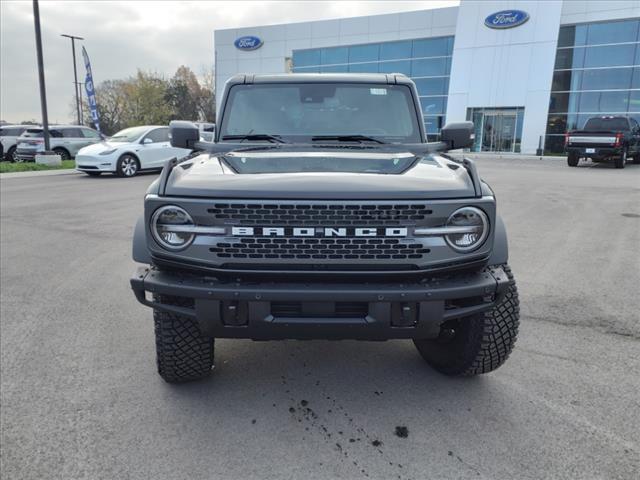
(477, 344)
(183, 353)
(572, 160)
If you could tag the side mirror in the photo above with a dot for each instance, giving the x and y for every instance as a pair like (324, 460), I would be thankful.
(183, 134)
(458, 135)
(147, 141)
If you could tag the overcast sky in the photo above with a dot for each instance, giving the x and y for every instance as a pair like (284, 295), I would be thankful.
(121, 37)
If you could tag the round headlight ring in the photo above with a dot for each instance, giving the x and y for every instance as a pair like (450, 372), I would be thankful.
(476, 217)
(173, 241)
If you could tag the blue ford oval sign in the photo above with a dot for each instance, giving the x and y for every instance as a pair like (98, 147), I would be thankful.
(506, 19)
(248, 43)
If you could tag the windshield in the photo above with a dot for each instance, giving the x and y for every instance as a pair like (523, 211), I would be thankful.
(598, 124)
(298, 112)
(129, 134)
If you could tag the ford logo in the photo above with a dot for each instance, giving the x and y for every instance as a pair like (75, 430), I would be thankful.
(248, 43)
(506, 19)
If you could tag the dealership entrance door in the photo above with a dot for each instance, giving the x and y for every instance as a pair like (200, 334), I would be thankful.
(497, 129)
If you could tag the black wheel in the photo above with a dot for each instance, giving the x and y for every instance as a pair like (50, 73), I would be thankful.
(128, 166)
(10, 155)
(64, 155)
(621, 161)
(93, 174)
(183, 353)
(477, 344)
(572, 160)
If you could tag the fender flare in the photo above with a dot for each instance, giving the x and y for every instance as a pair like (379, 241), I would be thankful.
(140, 252)
(500, 252)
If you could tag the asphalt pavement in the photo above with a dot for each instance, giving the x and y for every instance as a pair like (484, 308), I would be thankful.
(80, 397)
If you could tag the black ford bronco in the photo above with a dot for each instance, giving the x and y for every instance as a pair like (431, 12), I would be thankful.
(320, 211)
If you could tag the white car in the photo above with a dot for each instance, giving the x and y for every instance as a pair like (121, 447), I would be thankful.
(129, 151)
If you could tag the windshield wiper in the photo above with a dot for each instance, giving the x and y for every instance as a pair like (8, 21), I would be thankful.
(255, 136)
(348, 138)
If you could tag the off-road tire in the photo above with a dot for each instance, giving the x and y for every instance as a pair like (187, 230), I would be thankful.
(183, 353)
(572, 160)
(481, 343)
(621, 161)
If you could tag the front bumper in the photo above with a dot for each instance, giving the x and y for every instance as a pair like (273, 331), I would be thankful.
(86, 163)
(373, 311)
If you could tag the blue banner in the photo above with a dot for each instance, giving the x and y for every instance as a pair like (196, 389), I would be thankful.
(91, 92)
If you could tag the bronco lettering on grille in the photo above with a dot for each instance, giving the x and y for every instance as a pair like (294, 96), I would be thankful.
(319, 232)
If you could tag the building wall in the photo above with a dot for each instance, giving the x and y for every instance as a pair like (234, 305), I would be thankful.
(490, 68)
(281, 40)
(505, 68)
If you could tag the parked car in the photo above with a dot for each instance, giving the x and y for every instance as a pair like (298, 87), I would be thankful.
(130, 151)
(605, 138)
(8, 138)
(65, 140)
(207, 131)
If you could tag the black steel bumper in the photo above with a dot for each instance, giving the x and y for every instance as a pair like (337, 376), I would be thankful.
(373, 311)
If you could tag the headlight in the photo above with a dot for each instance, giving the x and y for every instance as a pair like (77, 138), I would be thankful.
(108, 152)
(474, 228)
(172, 227)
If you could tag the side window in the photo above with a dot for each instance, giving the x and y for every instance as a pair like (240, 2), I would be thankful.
(11, 132)
(72, 133)
(87, 133)
(55, 134)
(158, 135)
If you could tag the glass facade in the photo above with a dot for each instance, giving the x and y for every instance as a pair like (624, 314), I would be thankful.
(597, 72)
(497, 129)
(427, 61)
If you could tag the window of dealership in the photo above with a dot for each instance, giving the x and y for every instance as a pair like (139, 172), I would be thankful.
(597, 72)
(427, 61)
(524, 84)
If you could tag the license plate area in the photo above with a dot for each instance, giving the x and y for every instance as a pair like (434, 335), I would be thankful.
(590, 150)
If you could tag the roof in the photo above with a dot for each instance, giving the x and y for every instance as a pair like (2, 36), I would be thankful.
(388, 78)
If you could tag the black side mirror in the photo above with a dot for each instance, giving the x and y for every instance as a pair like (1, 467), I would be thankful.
(458, 135)
(183, 134)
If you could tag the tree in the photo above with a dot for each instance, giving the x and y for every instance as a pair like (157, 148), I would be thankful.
(207, 100)
(150, 99)
(112, 101)
(183, 94)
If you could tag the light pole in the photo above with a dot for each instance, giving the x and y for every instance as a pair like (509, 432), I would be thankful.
(43, 91)
(75, 72)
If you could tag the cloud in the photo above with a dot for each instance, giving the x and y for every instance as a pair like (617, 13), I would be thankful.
(122, 37)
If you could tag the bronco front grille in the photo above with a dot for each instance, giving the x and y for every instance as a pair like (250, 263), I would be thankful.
(334, 214)
(320, 248)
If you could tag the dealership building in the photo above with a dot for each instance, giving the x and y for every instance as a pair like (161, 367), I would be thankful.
(524, 72)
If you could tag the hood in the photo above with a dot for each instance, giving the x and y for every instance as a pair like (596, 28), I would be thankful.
(314, 174)
(100, 147)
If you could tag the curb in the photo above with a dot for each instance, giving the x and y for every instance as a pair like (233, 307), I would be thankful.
(39, 173)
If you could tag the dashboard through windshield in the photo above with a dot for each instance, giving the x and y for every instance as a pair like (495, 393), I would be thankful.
(298, 112)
